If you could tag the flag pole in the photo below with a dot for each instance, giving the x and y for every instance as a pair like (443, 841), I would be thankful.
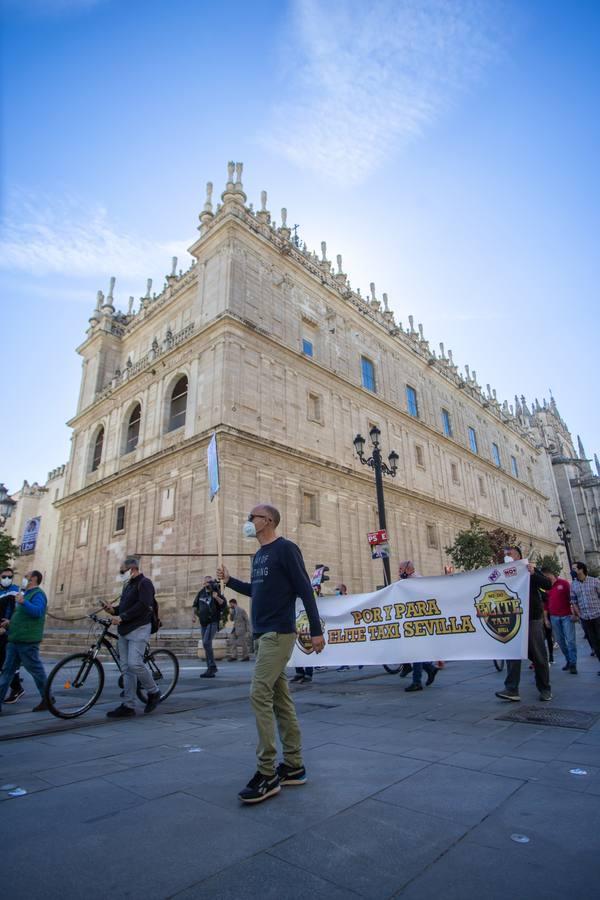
(219, 535)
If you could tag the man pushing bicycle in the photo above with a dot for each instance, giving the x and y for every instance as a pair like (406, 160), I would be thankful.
(133, 616)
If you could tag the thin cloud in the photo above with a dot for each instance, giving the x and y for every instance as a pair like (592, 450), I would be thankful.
(365, 79)
(49, 236)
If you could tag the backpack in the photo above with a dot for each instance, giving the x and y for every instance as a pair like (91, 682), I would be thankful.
(156, 622)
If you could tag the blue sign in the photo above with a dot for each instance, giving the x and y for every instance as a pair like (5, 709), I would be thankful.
(30, 534)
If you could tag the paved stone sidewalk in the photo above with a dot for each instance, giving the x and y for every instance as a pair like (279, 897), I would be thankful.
(409, 795)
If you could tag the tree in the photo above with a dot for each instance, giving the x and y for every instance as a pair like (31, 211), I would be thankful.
(499, 539)
(472, 548)
(549, 561)
(8, 549)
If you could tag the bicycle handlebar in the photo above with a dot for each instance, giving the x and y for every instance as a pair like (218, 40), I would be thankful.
(99, 619)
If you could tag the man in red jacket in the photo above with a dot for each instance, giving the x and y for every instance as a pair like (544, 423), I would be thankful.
(559, 609)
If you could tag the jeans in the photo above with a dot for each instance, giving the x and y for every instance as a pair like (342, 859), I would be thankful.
(208, 635)
(564, 632)
(15, 684)
(131, 653)
(272, 702)
(537, 654)
(28, 656)
(417, 671)
(307, 671)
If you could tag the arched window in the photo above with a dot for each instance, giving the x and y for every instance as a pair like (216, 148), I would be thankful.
(133, 429)
(98, 445)
(178, 404)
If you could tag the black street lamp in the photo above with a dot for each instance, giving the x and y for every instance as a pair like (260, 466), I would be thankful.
(564, 536)
(6, 505)
(381, 468)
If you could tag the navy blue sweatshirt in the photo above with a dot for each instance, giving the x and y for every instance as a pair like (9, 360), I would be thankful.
(278, 577)
(136, 604)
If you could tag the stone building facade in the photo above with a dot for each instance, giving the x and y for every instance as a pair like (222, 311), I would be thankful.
(267, 345)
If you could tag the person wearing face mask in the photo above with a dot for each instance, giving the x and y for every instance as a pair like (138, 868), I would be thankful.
(536, 647)
(25, 633)
(209, 606)
(278, 577)
(8, 592)
(133, 616)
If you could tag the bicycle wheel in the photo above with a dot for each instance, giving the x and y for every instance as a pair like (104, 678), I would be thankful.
(499, 663)
(393, 670)
(74, 685)
(164, 667)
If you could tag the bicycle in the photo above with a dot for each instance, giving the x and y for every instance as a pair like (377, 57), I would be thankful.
(76, 682)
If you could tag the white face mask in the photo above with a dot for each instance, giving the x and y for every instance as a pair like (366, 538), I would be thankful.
(249, 529)
(24, 582)
(6, 582)
(125, 576)
(508, 559)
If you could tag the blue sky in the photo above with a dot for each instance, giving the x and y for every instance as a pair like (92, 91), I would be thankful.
(448, 151)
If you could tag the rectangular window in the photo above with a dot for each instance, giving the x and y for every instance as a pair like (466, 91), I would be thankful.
(310, 508)
(419, 456)
(539, 515)
(481, 486)
(167, 502)
(454, 471)
(523, 510)
(504, 497)
(473, 439)
(82, 539)
(432, 537)
(496, 455)
(368, 374)
(313, 412)
(446, 423)
(307, 347)
(120, 519)
(411, 401)
(514, 467)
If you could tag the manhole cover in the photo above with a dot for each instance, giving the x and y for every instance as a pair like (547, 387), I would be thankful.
(559, 718)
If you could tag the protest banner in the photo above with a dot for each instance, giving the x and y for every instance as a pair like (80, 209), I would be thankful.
(474, 615)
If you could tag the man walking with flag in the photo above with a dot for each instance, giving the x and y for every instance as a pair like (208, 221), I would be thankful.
(278, 577)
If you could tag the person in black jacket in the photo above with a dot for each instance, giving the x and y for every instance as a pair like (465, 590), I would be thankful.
(536, 649)
(209, 606)
(133, 616)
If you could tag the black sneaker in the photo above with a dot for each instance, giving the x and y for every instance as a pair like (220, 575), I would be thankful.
(14, 696)
(121, 712)
(152, 702)
(566, 668)
(290, 776)
(508, 695)
(307, 679)
(413, 687)
(431, 676)
(260, 788)
(208, 674)
(546, 695)
(573, 669)
(42, 706)
(296, 679)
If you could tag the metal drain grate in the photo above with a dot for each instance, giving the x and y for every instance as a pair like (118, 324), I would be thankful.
(559, 718)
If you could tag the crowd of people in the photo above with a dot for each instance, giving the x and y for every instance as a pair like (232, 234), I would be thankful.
(278, 578)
